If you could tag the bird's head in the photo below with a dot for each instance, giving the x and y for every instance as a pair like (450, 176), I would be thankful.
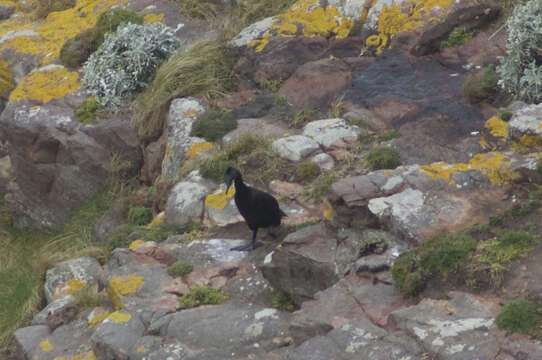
(230, 175)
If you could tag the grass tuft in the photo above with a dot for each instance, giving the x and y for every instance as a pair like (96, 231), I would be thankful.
(180, 268)
(201, 295)
(518, 316)
(213, 125)
(481, 85)
(383, 157)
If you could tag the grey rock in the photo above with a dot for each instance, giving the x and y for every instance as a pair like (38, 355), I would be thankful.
(56, 313)
(185, 201)
(6, 11)
(323, 160)
(182, 114)
(526, 121)
(331, 132)
(296, 147)
(259, 126)
(29, 337)
(84, 271)
(145, 346)
(108, 223)
(457, 329)
(116, 336)
(251, 32)
(207, 252)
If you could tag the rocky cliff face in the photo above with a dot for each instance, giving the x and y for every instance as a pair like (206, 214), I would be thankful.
(349, 77)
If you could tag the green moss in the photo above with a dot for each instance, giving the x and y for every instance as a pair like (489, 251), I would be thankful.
(281, 300)
(109, 21)
(518, 316)
(213, 125)
(201, 295)
(88, 111)
(279, 100)
(445, 253)
(76, 50)
(458, 36)
(481, 86)
(406, 274)
(124, 234)
(307, 170)
(389, 135)
(139, 216)
(383, 157)
(505, 115)
(320, 187)
(180, 268)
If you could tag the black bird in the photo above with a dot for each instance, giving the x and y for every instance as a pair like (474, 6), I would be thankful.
(259, 209)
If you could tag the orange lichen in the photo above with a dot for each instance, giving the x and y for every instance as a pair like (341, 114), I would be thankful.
(260, 44)
(97, 316)
(69, 287)
(151, 18)
(493, 165)
(119, 317)
(46, 84)
(220, 200)
(198, 149)
(497, 127)
(46, 345)
(398, 18)
(528, 143)
(135, 244)
(158, 220)
(328, 214)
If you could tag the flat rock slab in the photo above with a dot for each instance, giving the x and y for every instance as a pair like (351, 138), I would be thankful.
(203, 253)
(332, 132)
(259, 126)
(461, 328)
(296, 147)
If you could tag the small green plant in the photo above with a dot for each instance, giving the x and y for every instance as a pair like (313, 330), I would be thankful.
(126, 61)
(272, 85)
(518, 316)
(213, 168)
(139, 216)
(520, 73)
(88, 111)
(337, 107)
(320, 187)
(481, 85)
(458, 36)
(201, 295)
(213, 125)
(389, 135)
(383, 157)
(505, 115)
(307, 170)
(45, 7)
(282, 301)
(526, 207)
(179, 268)
(279, 100)
(302, 117)
(88, 298)
(406, 274)
(124, 234)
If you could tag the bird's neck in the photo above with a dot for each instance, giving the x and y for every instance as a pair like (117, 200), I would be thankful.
(240, 185)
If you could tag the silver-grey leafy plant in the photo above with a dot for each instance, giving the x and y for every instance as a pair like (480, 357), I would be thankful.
(126, 61)
(520, 70)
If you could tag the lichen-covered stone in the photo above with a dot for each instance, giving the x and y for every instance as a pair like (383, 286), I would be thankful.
(296, 147)
(331, 132)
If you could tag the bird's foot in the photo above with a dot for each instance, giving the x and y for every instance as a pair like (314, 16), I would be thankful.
(247, 247)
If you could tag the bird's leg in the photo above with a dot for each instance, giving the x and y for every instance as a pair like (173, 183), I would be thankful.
(253, 245)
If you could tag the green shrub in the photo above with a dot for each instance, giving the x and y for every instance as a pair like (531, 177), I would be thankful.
(279, 100)
(383, 157)
(389, 135)
(76, 50)
(45, 7)
(109, 21)
(282, 301)
(213, 125)
(458, 36)
(126, 60)
(179, 268)
(516, 238)
(520, 70)
(406, 274)
(201, 295)
(214, 168)
(445, 253)
(518, 316)
(481, 85)
(307, 170)
(87, 112)
(120, 237)
(139, 216)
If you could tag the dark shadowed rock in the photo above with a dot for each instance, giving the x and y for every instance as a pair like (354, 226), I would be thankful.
(59, 164)
(6, 11)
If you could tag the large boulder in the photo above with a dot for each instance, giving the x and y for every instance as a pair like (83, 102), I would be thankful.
(57, 163)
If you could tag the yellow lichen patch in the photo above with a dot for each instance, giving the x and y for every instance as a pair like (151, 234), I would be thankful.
(158, 220)
(119, 317)
(6, 82)
(54, 30)
(135, 244)
(328, 214)
(46, 345)
(493, 165)
(528, 143)
(260, 44)
(97, 318)
(69, 287)
(483, 143)
(393, 19)
(141, 349)
(46, 85)
(151, 18)
(388, 172)
(125, 284)
(199, 148)
(497, 127)
(220, 200)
